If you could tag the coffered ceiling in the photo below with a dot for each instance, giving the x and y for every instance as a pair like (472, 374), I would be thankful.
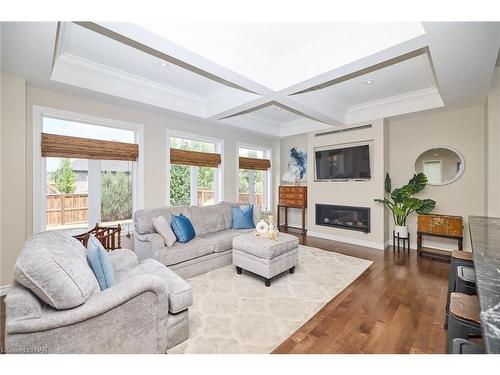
(274, 78)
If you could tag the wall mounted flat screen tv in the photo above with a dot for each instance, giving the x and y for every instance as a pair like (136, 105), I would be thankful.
(343, 163)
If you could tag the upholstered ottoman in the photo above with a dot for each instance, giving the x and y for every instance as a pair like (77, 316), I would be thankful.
(265, 257)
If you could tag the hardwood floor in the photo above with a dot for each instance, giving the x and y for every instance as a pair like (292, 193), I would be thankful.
(395, 306)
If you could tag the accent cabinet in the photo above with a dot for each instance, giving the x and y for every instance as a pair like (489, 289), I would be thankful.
(446, 226)
(292, 197)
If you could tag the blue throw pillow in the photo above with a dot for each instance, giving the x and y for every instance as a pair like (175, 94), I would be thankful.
(100, 263)
(182, 228)
(243, 219)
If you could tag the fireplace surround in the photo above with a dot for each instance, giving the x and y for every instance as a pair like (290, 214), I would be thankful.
(345, 217)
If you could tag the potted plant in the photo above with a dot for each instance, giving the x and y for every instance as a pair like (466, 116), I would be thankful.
(402, 201)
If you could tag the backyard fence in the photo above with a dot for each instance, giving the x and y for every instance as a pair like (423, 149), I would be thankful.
(206, 197)
(66, 209)
(69, 209)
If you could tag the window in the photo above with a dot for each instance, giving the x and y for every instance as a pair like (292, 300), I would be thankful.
(79, 192)
(254, 176)
(195, 177)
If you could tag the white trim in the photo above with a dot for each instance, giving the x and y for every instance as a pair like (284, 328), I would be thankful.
(39, 165)
(94, 193)
(349, 240)
(460, 171)
(75, 70)
(395, 105)
(193, 189)
(4, 289)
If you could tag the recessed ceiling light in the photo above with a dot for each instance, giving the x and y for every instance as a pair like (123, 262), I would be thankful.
(163, 64)
(277, 108)
(369, 82)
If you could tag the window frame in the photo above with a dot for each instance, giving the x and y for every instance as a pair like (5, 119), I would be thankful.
(219, 148)
(268, 154)
(40, 171)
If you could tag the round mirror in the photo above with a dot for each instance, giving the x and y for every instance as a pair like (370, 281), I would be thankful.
(442, 165)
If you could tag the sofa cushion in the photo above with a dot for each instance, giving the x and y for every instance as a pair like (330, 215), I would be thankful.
(180, 296)
(243, 217)
(122, 259)
(54, 267)
(180, 252)
(208, 219)
(162, 226)
(263, 247)
(143, 219)
(228, 216)
(183, 228)
(222, 240)
(100, 263)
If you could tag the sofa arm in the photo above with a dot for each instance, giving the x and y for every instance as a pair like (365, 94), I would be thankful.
(146, 245)
(122, 259)
(98, 304)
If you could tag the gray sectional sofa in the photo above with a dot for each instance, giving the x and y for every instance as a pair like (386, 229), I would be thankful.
(211, 248)
(56, 305)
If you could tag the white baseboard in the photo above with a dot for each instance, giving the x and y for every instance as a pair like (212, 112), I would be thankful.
(296, 225)
(4, 289)
(349, 240)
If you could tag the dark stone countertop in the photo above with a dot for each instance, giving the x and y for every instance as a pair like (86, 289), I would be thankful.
(485, 239)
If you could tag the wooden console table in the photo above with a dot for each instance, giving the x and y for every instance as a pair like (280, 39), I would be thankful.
(292, 197)
(445, 226)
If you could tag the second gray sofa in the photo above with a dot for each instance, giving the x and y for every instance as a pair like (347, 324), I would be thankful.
(210, 249)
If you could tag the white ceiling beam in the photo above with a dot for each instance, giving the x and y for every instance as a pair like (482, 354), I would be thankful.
(409, 48)
(240, 109)
(308, 112)
(155, 45)
(464, 74)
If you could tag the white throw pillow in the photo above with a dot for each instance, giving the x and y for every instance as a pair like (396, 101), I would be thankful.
(162, 226)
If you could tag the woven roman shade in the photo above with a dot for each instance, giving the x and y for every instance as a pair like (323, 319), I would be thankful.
(84, 148)
(194, 158)
(255, 164)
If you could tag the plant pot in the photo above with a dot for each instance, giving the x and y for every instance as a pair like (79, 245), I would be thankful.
(401, 231)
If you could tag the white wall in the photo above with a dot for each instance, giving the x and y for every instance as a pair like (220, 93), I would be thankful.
(463, 130)
(17, 144)
(492, 112)
(13, 170)
(351, 193)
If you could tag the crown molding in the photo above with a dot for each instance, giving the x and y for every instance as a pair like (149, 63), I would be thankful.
(395, 105)
(75, 70)
(301, 126)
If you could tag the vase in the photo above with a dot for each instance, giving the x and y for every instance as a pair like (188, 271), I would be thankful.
(401, 231)
(262, 227)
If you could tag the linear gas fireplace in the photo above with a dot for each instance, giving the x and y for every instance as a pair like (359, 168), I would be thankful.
(347, 217)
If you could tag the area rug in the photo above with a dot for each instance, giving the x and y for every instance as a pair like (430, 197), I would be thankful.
(238, 314)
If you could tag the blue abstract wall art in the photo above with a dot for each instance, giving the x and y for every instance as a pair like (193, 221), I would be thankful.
(297, 166)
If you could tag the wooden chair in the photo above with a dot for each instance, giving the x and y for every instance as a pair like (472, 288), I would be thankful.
(109, 237)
